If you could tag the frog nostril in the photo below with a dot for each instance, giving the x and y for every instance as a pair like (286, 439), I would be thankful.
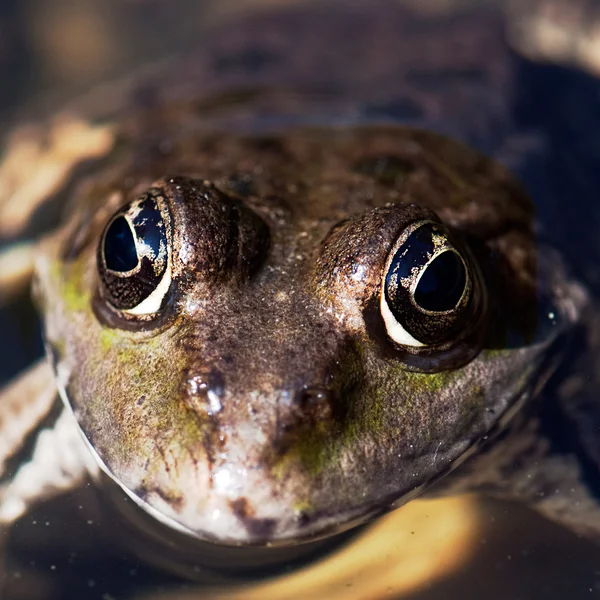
(313, 408)
(203, 391)
(316, 403)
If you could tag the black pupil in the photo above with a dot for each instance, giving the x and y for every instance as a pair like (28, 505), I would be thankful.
(120, 252)
(442, 283)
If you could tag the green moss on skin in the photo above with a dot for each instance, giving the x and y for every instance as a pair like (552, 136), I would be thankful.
(320, 446)
(108, 339)
(429, 382)
(75, 296)
(492, 353)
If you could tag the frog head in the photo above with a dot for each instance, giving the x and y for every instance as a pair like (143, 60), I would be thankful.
(268, 347)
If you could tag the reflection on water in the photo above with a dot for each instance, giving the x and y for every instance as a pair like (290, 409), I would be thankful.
(444, 549)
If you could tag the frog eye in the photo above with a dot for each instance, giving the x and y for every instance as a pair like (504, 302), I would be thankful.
(426, 288)
(134, 256)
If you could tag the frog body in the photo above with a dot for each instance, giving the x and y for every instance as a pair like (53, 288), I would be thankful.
(295, 293)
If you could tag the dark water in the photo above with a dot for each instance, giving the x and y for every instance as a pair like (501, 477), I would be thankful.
(63, 550)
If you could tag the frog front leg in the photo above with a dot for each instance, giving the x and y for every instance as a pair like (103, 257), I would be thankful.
(539, 463)
(41, 450)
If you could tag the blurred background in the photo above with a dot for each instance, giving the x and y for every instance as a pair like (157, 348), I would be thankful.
(58, 49)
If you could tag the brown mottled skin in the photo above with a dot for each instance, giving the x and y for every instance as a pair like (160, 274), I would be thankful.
(264, 401)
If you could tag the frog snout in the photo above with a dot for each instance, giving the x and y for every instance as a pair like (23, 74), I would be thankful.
(292, 405)
(275, 370)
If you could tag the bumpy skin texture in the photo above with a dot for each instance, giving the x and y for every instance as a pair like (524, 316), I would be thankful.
(264, 402)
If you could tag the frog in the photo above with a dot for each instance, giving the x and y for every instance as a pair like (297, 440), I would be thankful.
(293, 289)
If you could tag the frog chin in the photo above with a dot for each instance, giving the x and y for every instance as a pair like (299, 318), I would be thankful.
(225, 524)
